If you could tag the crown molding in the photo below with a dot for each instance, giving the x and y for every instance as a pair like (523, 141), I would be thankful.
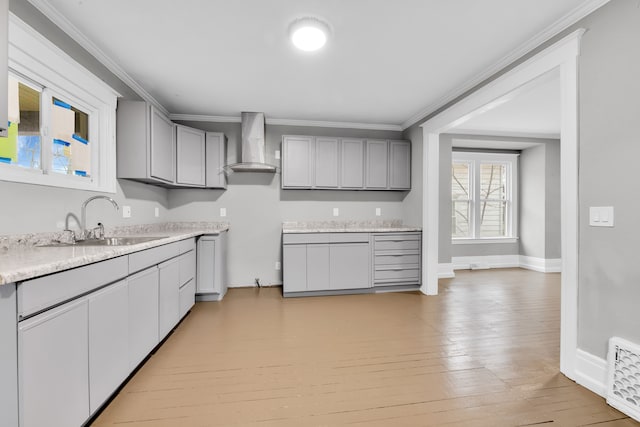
(552, 30)
(287, 122)
(506, 133)
(72, 31)
(205, 118)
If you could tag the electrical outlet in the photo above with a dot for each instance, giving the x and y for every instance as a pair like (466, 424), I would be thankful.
(378, 211)
(277, 265)
(336, 212)
(126, 212)
(157, 212)
(223, 211)
(277, 154)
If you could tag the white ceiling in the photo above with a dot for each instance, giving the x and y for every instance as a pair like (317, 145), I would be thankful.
(533, 113)
(385, 63)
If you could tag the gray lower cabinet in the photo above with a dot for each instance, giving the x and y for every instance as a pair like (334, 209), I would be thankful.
(108, 342)
(377, 165)
(326, 262)
(297, 161)
(190, 156)
(397, 259)
(168, 296)
(211, 283)
(216, 159)
(325, 163)
(352, 163)
(53, 368)
(143, 315)
(400, 165)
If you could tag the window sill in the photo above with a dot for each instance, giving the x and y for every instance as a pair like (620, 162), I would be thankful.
(484, 241)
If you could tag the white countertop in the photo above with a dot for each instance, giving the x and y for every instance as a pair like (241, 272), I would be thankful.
(375, 226)
(20, 263)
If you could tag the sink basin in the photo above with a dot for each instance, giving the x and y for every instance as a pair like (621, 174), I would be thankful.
(109, 241)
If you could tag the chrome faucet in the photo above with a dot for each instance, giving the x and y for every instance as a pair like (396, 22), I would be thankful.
(83, 213)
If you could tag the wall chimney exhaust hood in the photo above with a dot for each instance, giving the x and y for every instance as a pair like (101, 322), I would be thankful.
(252, 150)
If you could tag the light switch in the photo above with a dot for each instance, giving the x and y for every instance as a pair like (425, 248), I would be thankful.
(277, 154)
(223, 211)
(601, 216)
(336, 212)
(157, 212)
(126, 212)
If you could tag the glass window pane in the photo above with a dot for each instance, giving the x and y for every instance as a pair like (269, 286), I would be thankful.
(493, 219)
(22, 146)
(460, 181)
(493, 181)
(460, 226)
(70, 131)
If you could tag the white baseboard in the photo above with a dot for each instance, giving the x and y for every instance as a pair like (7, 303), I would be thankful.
(591, 372)
(504, 261)
(540, 264)
(445, 271)
(485, 261)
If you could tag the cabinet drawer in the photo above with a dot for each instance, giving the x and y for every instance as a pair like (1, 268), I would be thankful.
(400, 258)
(398, 244)
(397, 274)
(38, 294)
(187, 245)
(187, 267)
(304, 238)
(187, 297)
(349, 237)
(143, 259)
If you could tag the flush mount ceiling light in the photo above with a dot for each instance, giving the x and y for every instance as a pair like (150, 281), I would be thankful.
(309, 34)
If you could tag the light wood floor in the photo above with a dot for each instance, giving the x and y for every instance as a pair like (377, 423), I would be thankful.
(483, 353)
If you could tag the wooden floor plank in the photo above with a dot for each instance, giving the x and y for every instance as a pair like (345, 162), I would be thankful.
(485, 352)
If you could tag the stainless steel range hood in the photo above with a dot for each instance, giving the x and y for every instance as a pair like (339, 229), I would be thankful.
(252, 154)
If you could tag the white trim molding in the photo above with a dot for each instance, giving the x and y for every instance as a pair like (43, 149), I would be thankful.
(445, 270)
(557, 27)
(563, 57)
(591, 372)
(541, 264)
(483, 262)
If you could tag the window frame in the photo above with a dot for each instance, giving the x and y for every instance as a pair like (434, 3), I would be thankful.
(35, 59)
(475, 160)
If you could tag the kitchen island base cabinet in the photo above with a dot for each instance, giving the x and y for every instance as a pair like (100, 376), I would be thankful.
(54, 367)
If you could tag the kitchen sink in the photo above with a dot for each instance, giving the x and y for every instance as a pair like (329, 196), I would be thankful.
(109, 241)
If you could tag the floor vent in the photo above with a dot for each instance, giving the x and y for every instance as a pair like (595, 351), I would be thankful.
(623, 388)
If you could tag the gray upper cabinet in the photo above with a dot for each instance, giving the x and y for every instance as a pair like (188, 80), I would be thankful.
(377, 166)
(352, 163)
(4, 76)
(400, 165)
(145, 143)
(326, 162)
(190, 156)
(297, 161)
(216, 158)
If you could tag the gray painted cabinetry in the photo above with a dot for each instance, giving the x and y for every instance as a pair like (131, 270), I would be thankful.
(4, 60)
(81, 332)
(152, 149)
(312, 162)
(211, 266)
(348, 262)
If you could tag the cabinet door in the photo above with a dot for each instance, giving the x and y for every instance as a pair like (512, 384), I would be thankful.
(377, 166)
(4, 75)
(54, 367)
(318, 267)
(297, 161)
(190, 156)
(349, 265)
(143, 315)
(206, 266)
(169, 297)
(187, 297)
(294, 268)
(108, 341)
(162, 147)
(216, 153)
(326, 163)
(352, 163)
(400, 165)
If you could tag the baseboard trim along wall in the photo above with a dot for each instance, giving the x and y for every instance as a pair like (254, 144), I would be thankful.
(445, 271)
(591, 372)
(503, 261)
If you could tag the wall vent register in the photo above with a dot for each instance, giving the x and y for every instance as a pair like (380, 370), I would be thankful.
(623, 388)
